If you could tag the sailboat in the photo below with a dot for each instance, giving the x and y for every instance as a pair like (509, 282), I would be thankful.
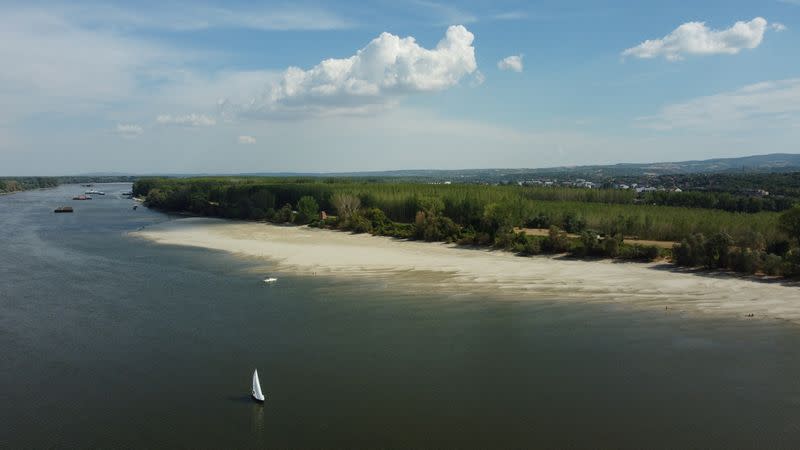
(257, 395)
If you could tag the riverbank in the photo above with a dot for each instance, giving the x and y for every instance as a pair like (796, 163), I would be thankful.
(307, 251)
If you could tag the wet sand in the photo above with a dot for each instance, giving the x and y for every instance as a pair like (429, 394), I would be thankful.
(310, 251)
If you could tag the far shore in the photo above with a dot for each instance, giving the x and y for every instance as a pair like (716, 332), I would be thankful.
(307, 251)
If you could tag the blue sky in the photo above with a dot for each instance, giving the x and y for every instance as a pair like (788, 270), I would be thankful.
(243, 87)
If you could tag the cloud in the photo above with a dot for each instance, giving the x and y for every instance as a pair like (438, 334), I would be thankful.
(778, 27)
(513, 63)
(129, 131)
(694, 38)
(445, 13)
(767, 105)
(52, 65)
(477, 79)
(190, 16)
(376, 77)
(192, 120)
(510, 15)
(244, 139)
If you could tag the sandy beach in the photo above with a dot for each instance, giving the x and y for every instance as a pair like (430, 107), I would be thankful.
(309, 251)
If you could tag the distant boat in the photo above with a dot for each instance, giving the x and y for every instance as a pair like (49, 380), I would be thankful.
(257, 395)
(95, 192)
(63, 209)
(81, 197)
(270, 280)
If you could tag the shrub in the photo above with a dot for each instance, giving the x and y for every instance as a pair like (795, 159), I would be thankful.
(651, 253)
(752, 240)
(773, 264)
(532, 246)
(403, 230)
(540, 221)
(779, 247)
(557, 241)
(430, 226)
(789, 223)
(483, 239)
(508, 241)
(717, 250)
(345, 204)
(573, 223)
(380, 224)
(357, 223)
(307, 209)
(589, 244)
(639, 252)
(611, 245)
(745, 260)
(284, 215)
(691, 251)
(791, 265)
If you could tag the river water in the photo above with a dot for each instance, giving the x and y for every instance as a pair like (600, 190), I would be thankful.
(110, 341)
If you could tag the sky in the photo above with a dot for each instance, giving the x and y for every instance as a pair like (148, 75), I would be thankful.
(242, 87)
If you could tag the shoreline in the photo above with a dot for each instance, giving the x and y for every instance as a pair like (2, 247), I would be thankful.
(306, 251)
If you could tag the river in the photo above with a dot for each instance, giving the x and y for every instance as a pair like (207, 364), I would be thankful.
(107, 340)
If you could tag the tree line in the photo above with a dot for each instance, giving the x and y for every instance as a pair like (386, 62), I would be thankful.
(491, 216)
(16, 184)
(8, 184)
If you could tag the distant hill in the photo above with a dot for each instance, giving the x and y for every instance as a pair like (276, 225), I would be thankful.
(776, 162)
(772, 163)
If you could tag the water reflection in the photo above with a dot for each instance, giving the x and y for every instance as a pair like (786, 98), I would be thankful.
(258, 419)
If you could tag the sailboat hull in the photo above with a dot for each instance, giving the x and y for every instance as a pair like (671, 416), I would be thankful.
(257, 400)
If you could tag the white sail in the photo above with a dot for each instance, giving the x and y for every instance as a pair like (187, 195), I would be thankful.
(257, 387)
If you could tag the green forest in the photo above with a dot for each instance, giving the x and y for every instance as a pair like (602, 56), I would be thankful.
(25, 183)
(17, 184)
(599, 221)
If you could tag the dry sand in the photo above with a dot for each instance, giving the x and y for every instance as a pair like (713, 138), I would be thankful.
(308, 251)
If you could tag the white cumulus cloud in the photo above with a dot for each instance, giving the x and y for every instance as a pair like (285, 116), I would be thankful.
(247, 139)
(695, 38)
(376, 76)
(513, 62)
(128, 130)
(191, 120)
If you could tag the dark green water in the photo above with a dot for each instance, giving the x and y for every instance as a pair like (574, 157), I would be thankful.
(109, 341)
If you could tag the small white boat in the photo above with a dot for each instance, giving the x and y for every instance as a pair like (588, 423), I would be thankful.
(257, 394)
(270, 280)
